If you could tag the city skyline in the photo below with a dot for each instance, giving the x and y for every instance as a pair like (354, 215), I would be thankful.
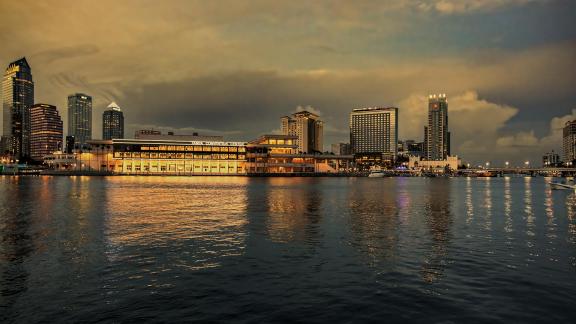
(512, 79)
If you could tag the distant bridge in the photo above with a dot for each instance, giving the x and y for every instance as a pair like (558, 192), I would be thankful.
(563, 171)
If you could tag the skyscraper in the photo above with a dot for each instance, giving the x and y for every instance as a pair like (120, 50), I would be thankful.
(113, 122)
(17, 98)
(374, 130)
(569, 142)
(309, 129)
(80, 118)
(436, 134)
(46, 131)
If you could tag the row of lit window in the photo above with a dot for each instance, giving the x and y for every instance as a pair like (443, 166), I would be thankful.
(192, 148)
(181, 168)
(279, 142)
(154, 155)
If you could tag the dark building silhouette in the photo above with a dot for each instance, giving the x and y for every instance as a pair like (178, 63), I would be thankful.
(17, 98)
(70, 142)
(113, 122)
(80, 118)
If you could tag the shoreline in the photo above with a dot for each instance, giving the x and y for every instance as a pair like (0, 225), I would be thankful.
(262, 175)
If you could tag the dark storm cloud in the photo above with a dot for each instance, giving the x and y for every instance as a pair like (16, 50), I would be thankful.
(49, 56)
(247, 103)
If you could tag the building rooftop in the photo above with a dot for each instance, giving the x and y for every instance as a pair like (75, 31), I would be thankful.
(372, 109)
(20, 62)
(114, 106)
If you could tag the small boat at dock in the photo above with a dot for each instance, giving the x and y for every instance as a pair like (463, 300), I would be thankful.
(376, 174)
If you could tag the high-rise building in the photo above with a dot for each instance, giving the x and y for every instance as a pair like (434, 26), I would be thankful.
(374, 130)
(80, 118)
(341, 149)
(436, 134)
(569, 142)
(551, 160)
(17, 98)
(113, 122)
(309, 129)
(46, 131)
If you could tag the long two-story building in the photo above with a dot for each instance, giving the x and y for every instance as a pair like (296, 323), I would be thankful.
(268, 155)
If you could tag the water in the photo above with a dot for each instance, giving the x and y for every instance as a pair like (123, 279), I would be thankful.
(170, 249)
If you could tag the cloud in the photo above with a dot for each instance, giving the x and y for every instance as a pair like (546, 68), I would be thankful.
(528, 141)
(518, 140)
(474, 123)
(465, 7)
(308, 108)
(49, 56)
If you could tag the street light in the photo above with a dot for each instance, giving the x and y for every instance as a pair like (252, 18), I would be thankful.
(527, 163)
(507, 163)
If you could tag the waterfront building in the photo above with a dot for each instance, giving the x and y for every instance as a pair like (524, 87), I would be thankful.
(17, 98)
(341, 149)
(374, 134)
(308, 128)
(46, 131)
(280, 154)
(436, 134)
(569, 142)
(176, 157)
(150, 134)
(269, 154)
(551, 159)
(417, 163)
(112, 122)
(80, 119)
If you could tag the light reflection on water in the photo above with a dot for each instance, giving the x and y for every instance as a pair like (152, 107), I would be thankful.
(265, 249)
(207, 216)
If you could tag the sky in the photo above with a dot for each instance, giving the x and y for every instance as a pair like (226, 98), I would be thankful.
(508, 67)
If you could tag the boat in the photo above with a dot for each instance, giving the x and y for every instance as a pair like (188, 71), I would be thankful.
(376, 174)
